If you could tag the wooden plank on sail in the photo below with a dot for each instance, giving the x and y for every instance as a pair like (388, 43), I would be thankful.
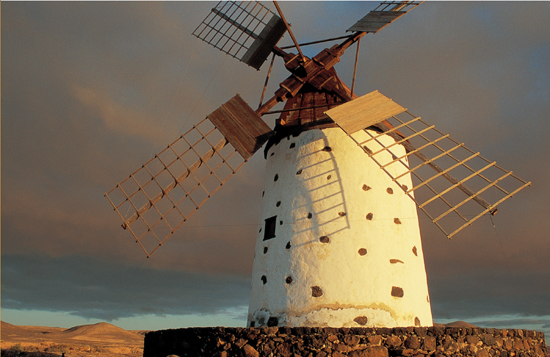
(241, 126)
(374, 21)
(360, 113)
(262, 46)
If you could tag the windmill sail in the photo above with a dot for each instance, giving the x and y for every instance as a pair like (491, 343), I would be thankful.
(453, 185)
(245, 30)
(155, 200)
(383, 15)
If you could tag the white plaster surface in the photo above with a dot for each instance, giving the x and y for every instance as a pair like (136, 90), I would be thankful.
(330, 187)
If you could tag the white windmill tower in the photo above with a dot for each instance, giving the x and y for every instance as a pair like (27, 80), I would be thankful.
(339, 242)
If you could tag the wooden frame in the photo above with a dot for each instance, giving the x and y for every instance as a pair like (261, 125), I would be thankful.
(436, 188)
(155, 200)
(245, 30)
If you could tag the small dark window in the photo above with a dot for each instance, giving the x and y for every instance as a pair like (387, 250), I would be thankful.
(270, 224)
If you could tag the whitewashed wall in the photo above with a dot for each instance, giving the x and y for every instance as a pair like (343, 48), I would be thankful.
(347, 249)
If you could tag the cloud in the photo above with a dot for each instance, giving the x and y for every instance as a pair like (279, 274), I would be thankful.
(117, 117)
(109, 290)
(488, 293)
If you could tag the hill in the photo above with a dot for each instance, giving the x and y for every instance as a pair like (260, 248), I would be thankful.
(101, 339)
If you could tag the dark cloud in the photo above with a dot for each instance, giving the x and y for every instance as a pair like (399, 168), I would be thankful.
(91, 90)
(489, 293)
(108, 290)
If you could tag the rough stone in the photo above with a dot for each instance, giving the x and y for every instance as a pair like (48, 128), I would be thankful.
(489, 339)
(393, 341)
(351, 340)
(374, 351)
(447, 342)
(420, 331)
(241, 342)
(375, 340)
(482, 353)
(283, 350)
(429, 343)
(518, 344)
(412, 342)
(340, 347)
(472, 340)
(250, 351)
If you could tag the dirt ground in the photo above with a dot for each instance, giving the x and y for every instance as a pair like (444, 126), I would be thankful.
(102, 339)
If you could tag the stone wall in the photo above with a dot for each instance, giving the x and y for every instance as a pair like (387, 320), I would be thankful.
(339, 342)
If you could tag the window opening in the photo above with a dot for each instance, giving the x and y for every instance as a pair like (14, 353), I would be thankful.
(270, 225)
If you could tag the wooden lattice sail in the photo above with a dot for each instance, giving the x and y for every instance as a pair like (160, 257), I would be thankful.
(155, 200)
(453, 185)
(245, 30)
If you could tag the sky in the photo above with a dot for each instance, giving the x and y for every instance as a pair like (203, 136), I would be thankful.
(92, 90)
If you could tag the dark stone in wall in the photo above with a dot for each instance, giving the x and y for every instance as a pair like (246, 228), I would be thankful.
(338, 342)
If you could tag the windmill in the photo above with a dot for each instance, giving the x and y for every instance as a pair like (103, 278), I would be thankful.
(338, 242)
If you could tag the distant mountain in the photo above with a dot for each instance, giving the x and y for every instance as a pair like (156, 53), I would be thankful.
(101, 339)
(101, 331)
(12, 330)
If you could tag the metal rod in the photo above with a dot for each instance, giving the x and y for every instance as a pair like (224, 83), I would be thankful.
(355, 67)
(267, 80)
(316, 42)
(482, 213)
(491, 208)
(289, 30)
